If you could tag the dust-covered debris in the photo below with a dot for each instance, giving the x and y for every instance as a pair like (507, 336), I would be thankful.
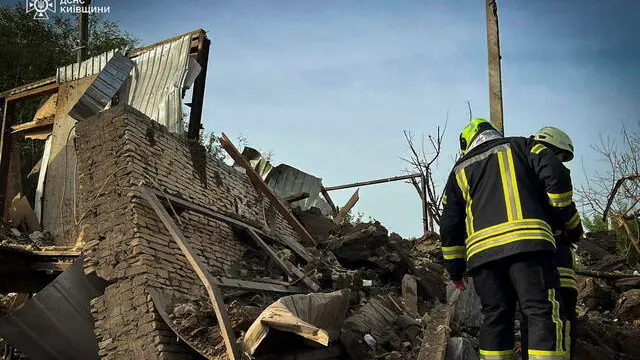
(195, 320)
(12, 237)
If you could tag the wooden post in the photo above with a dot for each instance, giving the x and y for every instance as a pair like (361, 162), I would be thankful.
(425, 204)
(215, 295)
(495, 73)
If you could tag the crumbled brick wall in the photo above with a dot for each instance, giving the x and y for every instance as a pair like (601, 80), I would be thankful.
(127, 244)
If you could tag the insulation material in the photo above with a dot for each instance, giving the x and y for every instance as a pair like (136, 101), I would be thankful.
(317, 317)
(158, 81)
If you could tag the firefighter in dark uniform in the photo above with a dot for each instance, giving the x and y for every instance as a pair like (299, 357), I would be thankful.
(495, 225)
(551, 139)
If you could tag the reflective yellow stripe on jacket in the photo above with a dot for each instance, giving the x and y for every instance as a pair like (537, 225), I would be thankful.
(508, 232)
(560, 200)
(567, 278)
(453, 252)
(538, 148)
(573, 222)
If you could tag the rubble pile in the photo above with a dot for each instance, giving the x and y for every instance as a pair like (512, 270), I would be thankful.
(608, 325)
(196, 322)
(12, 237)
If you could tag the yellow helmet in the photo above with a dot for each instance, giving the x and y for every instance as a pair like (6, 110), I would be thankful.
(557, 140)
(471, 131)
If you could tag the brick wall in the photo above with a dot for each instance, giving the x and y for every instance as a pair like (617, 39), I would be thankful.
(127, 244)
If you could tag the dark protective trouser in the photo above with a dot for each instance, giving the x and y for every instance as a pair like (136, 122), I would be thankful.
(565, 261)
(532, 280)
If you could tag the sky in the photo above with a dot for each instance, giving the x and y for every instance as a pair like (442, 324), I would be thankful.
(329, 86)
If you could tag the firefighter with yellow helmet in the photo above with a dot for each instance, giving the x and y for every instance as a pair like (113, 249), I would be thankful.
(500, 199)
(554, 140)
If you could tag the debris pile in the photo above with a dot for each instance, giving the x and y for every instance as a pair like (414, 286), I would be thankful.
(608, 309)
(12, 237)
(375, 288)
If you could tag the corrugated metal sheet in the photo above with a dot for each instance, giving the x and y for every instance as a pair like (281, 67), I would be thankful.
(155, 86)
(88, 67)
(57, 323)
(157, 82)
(286, 181)
(109, 80)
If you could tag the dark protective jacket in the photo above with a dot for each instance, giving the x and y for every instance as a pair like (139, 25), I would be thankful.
(501, 199)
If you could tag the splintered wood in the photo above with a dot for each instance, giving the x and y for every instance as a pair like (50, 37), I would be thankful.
(258, 182)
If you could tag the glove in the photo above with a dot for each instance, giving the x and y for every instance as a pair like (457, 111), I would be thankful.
(459, 284)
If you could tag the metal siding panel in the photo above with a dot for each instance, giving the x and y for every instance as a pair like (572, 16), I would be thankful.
(57, 322)
(103, 88)
(286, 181)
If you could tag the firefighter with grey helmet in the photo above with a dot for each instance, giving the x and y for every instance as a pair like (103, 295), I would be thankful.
(551, 139)
(495, 226)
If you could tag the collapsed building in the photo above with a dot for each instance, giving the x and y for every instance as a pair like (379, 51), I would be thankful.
(137, 243)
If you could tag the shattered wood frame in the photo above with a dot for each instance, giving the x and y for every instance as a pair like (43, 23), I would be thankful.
(200, 45)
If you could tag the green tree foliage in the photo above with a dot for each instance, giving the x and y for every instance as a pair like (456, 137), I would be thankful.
(31, 50)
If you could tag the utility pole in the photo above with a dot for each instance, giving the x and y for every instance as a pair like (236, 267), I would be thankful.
(495, 73)
(83, 24)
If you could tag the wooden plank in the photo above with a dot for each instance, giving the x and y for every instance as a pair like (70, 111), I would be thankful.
(235, 223)
(348, 206)
(257, 286)
(51, 266)
(287, 267)
(57, 205)
(45, 122)
(33, 85)
(39, 134)
(212, 289)
(38, 91)
(305, 237)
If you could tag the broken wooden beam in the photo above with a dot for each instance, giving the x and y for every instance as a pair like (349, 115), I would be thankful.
(348, 206)
(40, 123)
(372, 182)
(215, 295)
(257, 286)
(605, 275)
(234, 223)
(286, 266)
(305, 237)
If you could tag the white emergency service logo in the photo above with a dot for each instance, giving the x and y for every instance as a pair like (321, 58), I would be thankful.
(41, 8)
